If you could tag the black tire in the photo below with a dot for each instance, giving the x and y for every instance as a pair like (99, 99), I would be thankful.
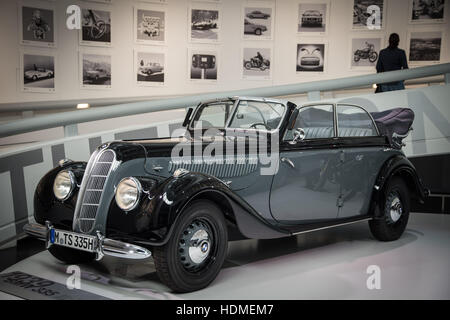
(389, 226)
(258, 32)
(71, 256)
(173, 262)
(247, 65)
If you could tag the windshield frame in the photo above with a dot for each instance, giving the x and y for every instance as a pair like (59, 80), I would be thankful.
(236, 102)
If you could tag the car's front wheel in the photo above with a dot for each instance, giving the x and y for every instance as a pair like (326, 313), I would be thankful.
(395, 212)
(194, 255)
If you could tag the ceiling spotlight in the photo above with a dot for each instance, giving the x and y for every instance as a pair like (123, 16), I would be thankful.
(83, 106)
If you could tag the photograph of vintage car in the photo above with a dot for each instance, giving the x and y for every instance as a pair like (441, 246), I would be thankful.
(37, 26)
(204, 25)
(256, 27)
(360, 13)
(150, 26)
(149, 67)
(310, 57)
(427, 11)
(96, 27)
(336, 164)
(203, 65)
(312, 17)
(425, 46)
(365, 51)
(257, 14)
(96, 70)
(256, 63)
(38, 72)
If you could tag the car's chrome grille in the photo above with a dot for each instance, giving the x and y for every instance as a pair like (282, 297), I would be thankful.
(93, 188)
(220, 168)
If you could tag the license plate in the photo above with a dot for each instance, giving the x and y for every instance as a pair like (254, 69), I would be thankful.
(73, 240)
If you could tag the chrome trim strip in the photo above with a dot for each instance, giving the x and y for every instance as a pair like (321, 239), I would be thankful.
(328, 227)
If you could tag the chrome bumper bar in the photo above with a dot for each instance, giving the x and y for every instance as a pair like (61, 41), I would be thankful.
(104, 246)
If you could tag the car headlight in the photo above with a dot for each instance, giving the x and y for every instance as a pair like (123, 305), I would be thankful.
(128, 192)
(64, 184)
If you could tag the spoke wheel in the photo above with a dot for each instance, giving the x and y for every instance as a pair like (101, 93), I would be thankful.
(195, 253)
(394, 212)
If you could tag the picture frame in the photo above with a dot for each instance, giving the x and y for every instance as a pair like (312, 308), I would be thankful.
(361, 15)
(313, 17)
(38, 71)
(204, 22)
(364, 51)
(149, 25)
(422, 13)
(256, 67)
(313, 59)
(424, 46)
(95, 69)
(37, 25)
(150, 67)
(100, 1)
(203, 65)
(96, 26)
(258, 20)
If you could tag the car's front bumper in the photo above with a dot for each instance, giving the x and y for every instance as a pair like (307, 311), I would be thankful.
(104, 246)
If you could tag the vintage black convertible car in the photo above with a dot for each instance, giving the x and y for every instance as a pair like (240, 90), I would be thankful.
(286, 170)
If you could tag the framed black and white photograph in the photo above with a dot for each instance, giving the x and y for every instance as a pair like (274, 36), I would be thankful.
(312, 18)
(365, 51)
(204, 23)
(38, 72)
(424, 47)
(149, 68)
(258, 21)
(256, 63)
(155, 1)
(37, 26)
(368, 14)
(203, 65)
(427, 11)
(311, 57)
(149, 26)
(95, 27)
(95, 70)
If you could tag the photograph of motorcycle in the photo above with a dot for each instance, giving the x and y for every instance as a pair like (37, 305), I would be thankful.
(366, 53)
(257, 62)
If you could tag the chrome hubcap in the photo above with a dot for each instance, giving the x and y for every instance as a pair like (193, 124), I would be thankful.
(195, 245)
(395, 208)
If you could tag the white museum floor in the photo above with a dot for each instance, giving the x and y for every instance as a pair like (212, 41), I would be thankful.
(327, 264)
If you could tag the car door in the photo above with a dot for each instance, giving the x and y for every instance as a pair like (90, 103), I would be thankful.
(305, 188)
(361, 149)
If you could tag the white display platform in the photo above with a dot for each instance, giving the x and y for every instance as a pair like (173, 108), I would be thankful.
(327, 264)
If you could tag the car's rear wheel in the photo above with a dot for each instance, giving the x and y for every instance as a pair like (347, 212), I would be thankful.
(395, 212)
(195, 253)
(71, 256)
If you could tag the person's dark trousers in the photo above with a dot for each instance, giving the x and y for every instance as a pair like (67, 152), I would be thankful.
(392, 86)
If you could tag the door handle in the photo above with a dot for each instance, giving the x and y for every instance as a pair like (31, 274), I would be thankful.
(288, 161)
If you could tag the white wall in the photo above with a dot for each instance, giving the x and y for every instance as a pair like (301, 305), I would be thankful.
(284, 44)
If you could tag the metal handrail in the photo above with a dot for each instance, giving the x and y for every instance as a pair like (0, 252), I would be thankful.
(121, 110)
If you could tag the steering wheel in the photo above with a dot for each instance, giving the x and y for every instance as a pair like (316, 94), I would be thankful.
(260, 124)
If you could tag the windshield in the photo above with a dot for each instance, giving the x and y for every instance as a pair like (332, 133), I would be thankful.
(248, 115)
(257, 115)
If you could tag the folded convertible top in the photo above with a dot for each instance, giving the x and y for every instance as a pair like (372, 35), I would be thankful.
(395, 124)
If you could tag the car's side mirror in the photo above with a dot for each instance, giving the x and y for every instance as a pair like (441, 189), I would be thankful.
(188, 117)
(298, 135)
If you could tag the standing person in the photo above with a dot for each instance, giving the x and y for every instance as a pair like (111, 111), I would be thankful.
(392, 58)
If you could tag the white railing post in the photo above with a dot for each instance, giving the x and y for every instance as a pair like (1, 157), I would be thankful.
(70, 130)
